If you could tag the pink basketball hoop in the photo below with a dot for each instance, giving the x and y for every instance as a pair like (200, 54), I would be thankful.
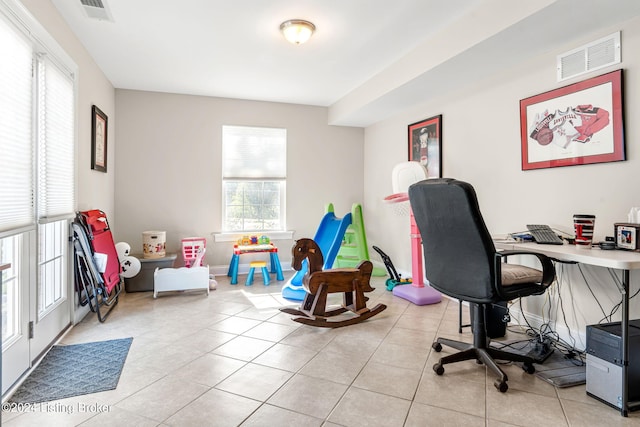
(400, 203)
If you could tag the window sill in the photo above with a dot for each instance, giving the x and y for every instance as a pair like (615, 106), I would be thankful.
(233, 237)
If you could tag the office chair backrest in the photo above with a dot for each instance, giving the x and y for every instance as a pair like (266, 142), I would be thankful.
(458, 249)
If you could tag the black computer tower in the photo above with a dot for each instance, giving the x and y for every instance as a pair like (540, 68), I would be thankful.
(604, 362)
(496, 318)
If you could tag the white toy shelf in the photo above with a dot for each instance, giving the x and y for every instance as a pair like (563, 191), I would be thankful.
(182, 278)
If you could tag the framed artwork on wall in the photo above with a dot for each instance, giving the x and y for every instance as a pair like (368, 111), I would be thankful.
(425, 145)
(574, 125)
(99, 122)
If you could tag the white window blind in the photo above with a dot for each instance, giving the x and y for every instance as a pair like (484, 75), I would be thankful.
(56, 156)
(254, 152)
(16, 155)
(254, 171)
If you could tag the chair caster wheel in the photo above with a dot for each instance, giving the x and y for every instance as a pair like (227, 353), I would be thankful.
(501, 386)
(529, 368)
(437, 347)
(438, 369)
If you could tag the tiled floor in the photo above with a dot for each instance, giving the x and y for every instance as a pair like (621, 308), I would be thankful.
(233, 359)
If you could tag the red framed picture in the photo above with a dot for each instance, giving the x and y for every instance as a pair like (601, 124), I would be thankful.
(425, 145)
(577, 124)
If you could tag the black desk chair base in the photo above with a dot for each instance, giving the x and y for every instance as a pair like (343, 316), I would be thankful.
(460, 325)
(481, 352)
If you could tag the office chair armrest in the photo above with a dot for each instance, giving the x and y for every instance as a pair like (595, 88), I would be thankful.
(548, 269)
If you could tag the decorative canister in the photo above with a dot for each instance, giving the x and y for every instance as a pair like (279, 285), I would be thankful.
(153, 244)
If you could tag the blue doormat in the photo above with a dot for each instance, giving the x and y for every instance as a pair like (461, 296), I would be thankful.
(74, 370)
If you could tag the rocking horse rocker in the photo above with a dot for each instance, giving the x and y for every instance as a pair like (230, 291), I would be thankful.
(352, 282)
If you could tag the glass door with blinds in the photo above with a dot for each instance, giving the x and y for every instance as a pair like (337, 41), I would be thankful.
(37, 169)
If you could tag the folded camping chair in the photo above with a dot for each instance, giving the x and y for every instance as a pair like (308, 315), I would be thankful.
(98, 269)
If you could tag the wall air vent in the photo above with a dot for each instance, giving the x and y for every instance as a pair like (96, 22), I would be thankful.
(96, 9)
(592, 56)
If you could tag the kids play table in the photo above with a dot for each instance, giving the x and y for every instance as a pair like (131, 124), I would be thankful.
(269, 248)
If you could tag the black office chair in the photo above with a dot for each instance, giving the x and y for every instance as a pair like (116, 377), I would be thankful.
(461, 261)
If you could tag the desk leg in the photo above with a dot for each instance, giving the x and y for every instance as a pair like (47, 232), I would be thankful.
(624, 410)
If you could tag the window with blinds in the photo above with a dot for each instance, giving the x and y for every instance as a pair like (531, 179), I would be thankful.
(254, 174)
(56, 154)
(37, 160)
(16, 109)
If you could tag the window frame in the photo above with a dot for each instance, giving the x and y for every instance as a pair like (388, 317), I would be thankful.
(263, 178)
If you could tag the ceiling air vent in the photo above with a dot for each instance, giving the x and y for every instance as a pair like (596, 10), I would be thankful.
(96, 9)
(592, 56)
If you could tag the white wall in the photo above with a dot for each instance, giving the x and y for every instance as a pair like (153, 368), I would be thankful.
(95, 190)
(481, 145)
(169, 170)
(163, 160)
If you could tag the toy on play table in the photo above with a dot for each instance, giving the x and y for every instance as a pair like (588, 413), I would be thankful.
(394, 279)
(253, 240)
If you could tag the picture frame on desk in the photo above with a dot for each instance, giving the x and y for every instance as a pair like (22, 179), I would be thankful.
(99, 124)
(425, 144)
(578, 124)
(627, 236)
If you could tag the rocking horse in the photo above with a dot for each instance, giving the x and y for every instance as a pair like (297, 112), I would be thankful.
(352, 282)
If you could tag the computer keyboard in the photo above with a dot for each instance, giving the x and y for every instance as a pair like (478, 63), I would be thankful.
(543, 234)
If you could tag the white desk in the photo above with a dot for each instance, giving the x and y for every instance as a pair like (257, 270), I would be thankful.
(622, 260)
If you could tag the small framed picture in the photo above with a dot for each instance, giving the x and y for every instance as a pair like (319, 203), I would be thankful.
(425, 145)
(99, 123)
(627, 236)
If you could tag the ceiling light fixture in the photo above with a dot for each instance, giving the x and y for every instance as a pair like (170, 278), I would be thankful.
(297, 31)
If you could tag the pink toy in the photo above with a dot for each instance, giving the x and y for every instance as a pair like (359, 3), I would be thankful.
(191, 248)
(405, 174)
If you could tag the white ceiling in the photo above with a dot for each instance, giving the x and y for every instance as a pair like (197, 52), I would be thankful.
(367, 60)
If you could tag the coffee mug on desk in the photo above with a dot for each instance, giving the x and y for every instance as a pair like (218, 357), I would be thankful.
(583, 225)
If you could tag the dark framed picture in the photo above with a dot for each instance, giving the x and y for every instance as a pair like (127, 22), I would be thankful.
(425, 145)
(574, 125)
(99, 123)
